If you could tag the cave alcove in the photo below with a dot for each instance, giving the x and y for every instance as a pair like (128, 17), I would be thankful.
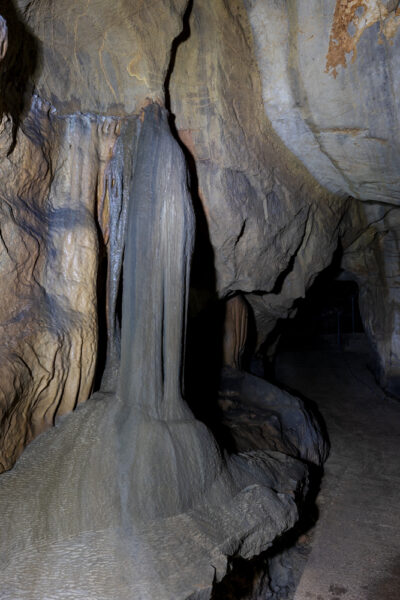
(327, 316)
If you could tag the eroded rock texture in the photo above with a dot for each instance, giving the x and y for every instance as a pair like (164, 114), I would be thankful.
(271, 226)
(130, 496)
(262, 206)
(49, 258)
(344, 128)
(275, 163)
(63, 204)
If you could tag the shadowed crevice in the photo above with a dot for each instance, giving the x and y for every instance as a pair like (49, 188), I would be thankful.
(17, 68)
(204, 328)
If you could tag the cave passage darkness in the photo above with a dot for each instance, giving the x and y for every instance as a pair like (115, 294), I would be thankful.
(329, 314)
(327, 320)
(330, 308)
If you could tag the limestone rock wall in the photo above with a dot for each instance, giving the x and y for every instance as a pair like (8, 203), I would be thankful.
(49, 257)
(102, 57)
(371, 257)
(63, 200)
(330, 78)
(130, 494)
(261, 204)
(245, 77)
(265, 142)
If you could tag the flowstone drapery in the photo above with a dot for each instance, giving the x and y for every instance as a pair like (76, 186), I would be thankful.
(131, 484)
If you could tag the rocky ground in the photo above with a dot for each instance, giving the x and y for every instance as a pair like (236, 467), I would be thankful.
(353, 551)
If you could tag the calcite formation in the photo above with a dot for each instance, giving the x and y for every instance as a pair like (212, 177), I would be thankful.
(132, 481)
(125, 146)
(62, 206)
(350, 20)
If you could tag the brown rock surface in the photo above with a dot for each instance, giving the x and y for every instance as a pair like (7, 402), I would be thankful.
(62, 195)
(130, 495)
(49, 256)
(146, 473)
(272, 227)
(102, 57)
(235, 332)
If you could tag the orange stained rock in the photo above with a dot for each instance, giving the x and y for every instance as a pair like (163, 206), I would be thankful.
(235, 332)
(359, 14)
(186, 137)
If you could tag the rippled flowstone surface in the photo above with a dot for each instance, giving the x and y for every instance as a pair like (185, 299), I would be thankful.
(131, 484)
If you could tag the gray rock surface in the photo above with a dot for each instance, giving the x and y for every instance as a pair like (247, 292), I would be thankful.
(355, 546)
(130, 496)
(371, 257)
(343, 126)
(275, 145)
(330, 77)
(261, 415)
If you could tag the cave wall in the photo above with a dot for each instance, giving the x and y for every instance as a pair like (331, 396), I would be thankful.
(371, 257)
(117, 136)
(130, 494)
(272, 223)
(279, 173)
(262, 206)
(64, 199)
(329, 73)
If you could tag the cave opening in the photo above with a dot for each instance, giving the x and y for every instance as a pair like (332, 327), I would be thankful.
(330, 311)
(328, 315)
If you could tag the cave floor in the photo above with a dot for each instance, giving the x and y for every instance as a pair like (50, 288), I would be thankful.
(355, 544)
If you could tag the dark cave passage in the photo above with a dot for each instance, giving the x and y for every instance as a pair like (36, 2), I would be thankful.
(358, 502)
(329, 309)
(324, 357)
(328, 314)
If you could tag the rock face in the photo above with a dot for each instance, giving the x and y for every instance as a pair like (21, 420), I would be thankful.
(117, 137)
(339, 115)
(260, 203)
(371, 257)
(272, 228)
(105, 527)
(260, 415)
(333, 100)
(48, 316)
(101, 58)
(235, 332)
(63, 206)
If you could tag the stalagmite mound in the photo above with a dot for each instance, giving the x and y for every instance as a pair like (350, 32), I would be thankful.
(131, 484)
